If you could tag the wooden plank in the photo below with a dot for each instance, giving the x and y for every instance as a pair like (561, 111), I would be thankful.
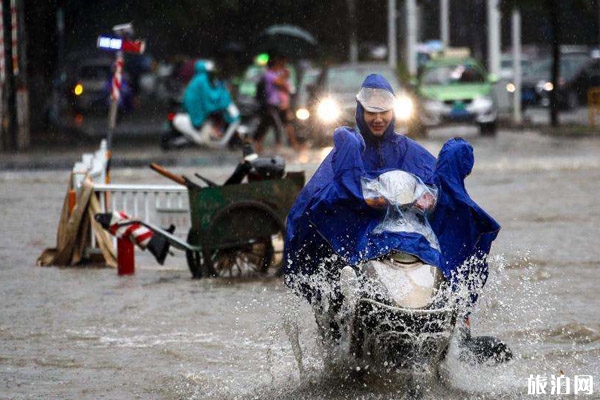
(103, 238)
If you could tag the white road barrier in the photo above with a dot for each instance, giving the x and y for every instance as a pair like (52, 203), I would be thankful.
(160, 205)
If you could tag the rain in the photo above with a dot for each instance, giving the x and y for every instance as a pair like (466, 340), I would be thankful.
(146, 233)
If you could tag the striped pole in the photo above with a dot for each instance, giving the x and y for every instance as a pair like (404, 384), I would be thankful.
(9, 116)
(115, 95)
(115, 92)
(14, 36)
(2, 61)
(2, 74)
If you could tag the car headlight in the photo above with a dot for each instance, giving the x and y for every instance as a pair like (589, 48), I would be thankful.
(544, 86)
(510, 87)
(482, 102)
(403, 108)
(328, 110)
(302, 114)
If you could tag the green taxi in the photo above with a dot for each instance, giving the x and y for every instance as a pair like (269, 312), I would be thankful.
(457, 90)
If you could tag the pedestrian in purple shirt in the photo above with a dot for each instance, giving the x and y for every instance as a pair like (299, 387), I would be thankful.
(273, 94)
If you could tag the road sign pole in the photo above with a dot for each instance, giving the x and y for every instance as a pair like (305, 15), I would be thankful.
(517, 72)
(392, 35)
(119, 42)
(115, 95)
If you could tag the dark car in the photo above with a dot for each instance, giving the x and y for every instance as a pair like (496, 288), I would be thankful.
(332, 100)
(89, 86)
(574, 80)
(586, 78)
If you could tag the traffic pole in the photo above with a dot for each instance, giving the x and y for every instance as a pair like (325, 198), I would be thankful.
(445, 22)
(392, 35)
(3, 140)
(115, 95)
(119, 42)
(9, 117)
(517, 72)
(125, 248)
(411, 36)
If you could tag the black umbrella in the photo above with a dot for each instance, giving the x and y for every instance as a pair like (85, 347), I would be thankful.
(287, 40)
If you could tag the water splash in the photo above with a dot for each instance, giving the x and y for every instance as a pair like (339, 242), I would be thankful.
(516, 306)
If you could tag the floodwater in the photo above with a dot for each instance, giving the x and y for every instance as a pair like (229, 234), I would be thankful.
(85, 333)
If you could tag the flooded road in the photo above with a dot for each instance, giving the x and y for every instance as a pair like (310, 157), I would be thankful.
(85, 333)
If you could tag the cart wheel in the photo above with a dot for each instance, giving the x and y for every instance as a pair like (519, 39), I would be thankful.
(260, 256)
(194, 258)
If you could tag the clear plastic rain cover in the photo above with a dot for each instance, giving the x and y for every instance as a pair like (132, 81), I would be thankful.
(408, 201)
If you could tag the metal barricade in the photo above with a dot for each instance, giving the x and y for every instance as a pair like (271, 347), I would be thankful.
(161, 205)
(593, 98)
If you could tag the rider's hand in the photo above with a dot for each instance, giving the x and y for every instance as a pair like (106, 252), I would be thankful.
(376, 202)
(425, 202)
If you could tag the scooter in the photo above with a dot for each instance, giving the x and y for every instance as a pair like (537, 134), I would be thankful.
(397, 312)
(216, 132)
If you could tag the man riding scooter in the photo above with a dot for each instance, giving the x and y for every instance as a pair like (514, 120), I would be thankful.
(204, 98)
(332, 225)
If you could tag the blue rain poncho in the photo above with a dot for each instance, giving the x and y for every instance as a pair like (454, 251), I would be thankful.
(201, 98)
(330, 214)
(331, 217)
(465, 231)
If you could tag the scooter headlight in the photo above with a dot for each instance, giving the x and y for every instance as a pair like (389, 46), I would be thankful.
(403, 108)
(328, 110)
(406, 280)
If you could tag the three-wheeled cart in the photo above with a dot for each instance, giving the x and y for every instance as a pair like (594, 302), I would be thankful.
(237, 230)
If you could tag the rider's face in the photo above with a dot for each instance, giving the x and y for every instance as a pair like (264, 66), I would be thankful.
(378, 121)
